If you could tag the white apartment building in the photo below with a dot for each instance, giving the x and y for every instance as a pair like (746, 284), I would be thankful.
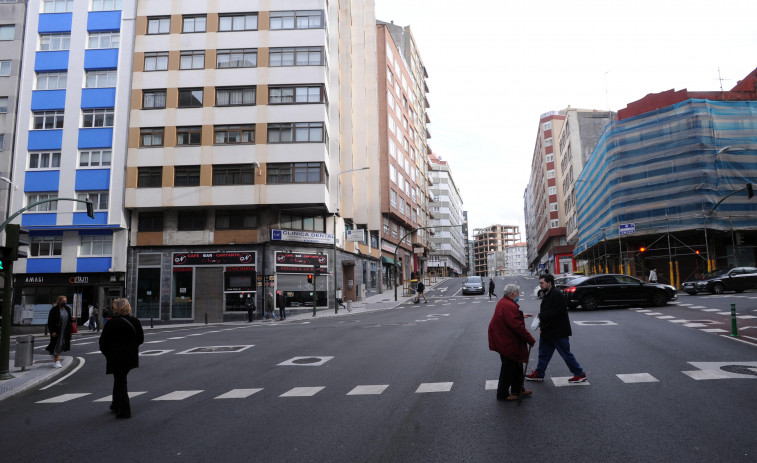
(446, 212)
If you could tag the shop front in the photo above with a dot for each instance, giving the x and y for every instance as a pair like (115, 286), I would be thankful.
(299, 275)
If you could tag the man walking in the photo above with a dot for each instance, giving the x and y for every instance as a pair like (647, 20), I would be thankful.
(653, 276)
(491, 288)
(555, 330)
(421, 288)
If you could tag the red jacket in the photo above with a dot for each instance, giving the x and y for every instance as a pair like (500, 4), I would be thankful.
(508, 335)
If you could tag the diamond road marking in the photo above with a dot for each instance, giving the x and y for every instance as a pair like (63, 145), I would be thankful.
(433, 387)
(714, 330)
(154, 353)
(638, 378)
(239, 393)
(713, 370)
(62, 398)
(368, 390)
(303, 391)
(665, 317)
(177, 395)
(109, 398)
(491, 384)
(561, 382)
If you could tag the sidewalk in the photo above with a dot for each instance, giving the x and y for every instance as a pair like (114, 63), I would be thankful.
(41, 371)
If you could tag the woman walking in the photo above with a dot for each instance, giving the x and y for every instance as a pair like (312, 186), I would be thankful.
(120, 342)
(59, 325)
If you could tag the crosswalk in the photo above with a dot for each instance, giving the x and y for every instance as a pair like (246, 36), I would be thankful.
(708, 325)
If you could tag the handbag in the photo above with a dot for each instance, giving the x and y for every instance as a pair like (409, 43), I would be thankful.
(74, 329)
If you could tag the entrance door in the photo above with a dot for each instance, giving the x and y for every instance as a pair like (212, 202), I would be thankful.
(348, 282)
(111, 294)
(209, 294)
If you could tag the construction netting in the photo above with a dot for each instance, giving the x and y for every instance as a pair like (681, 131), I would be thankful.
(665, 170)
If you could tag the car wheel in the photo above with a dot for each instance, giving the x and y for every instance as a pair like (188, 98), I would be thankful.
(718, 288)
(590, 303)
(660, 299)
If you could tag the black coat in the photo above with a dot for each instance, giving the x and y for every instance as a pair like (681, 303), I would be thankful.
(120, 342)
(54, 326)
(553, 315)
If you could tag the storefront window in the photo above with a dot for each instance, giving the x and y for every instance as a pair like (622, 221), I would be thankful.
(299, 292)
(181, 290)
(237, 302)
(148, 293)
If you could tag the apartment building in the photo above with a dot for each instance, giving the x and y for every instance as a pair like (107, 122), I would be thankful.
(516, 259)
(467, 243)
(449, 248)
(489, 240)
(70, 145)
(246, 157)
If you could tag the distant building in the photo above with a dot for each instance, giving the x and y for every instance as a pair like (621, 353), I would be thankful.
(491, 239)
(516, 259)
(446, 209)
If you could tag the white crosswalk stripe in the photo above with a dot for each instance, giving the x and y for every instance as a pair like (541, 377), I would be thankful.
(109, 398)
(239, 393)
(177, 395)
(434, 387)
(368, 390)
(63, 398)
(302, 391)
(637, 378)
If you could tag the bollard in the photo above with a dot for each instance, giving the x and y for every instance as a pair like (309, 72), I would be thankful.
(206, 318)
(152, 325)
(734, 329)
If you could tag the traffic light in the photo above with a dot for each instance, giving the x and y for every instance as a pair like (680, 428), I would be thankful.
(5, 254)
(15, 238)
(90, 209)
(642, 249)
(310, 279)
(749, 191)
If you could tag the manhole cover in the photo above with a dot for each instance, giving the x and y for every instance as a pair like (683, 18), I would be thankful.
(306, 360)
(311, 361)
(739, 369)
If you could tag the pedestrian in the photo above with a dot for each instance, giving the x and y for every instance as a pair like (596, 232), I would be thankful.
(120, 343)
(491, 288)
(554, 330)
(420, 290)
(339, 298)
(93, 318)
(653, 275)
(107, 313)
(508, 337)
(270, 310)
(59, 322)
(249, 303)
(281, 301)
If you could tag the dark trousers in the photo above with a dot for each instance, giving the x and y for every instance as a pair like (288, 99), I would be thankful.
(510, 378)
(283, 313)
(120, 394)
(547, 347)
(250, 314)
(491, 293)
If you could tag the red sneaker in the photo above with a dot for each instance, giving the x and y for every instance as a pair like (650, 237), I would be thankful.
(578, 379)
(533, 376)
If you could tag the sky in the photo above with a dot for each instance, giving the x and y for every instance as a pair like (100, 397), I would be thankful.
(496, 65)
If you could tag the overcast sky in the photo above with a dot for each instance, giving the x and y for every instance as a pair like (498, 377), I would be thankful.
(495, 65)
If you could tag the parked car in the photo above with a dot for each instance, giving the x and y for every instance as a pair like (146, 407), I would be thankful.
(736, 279)
(591, 292)
(473, 285)
(559, 279)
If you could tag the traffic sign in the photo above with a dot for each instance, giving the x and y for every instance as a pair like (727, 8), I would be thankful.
(627, 228)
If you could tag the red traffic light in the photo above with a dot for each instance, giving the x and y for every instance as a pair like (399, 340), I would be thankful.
(310, 279)
(697, 251)
(642, 249)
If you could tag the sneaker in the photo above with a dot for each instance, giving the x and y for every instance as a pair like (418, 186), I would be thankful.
(533, 376)
(578, 379)
(57, 365)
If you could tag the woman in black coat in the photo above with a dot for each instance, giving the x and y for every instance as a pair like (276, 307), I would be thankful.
(59, 325)
(120, 342)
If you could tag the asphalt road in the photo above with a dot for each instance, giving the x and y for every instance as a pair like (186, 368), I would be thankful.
(691, 394)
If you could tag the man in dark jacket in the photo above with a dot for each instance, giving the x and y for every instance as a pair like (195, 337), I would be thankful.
(491, 289)
(555, 330)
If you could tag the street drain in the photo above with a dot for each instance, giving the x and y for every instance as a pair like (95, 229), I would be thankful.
(739, 369)
(306, 360)
(311, 361)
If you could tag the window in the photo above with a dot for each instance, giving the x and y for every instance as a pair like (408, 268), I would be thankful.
(299, 132)
(552, 207)
(237, 22)
(190, 97)
(151, 136)
(188, 135)
(394, 231)
(192, 24)
(104, 40)
(554, 223)
(392, 173)
(51, 80)
(386, 226)
(234, 174)
(296, 20)
(550, 157)
(192, 59)
(547, 126)
(153, 99)
(186, 176)
(47, 120)
(299, 222)
(52, 42)
(99, 200)
(402, 206)
(106, 5)
(300, 56)
(3, 104)
(548, 142)
(392, 149)
(44, 160)
(97, 158)
(7, 31)
(236, 220)
(552, 190)
(96, 245)
(97, 117)
(296, 95)
(100, 79)
(239, 96)
(44, 207)
(159, 25)
(234, 134)
(393, 198)
(237, 58)
(150, 177)
(150, 221)
(156, 61)
(551, 173)
(2, 141)
(392, 123)
(45, 246)
(57, 6)
(5, 68)
(191, 221)
(389, 76)
(298, 172)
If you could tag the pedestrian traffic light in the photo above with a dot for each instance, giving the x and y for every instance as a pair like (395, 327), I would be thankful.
(16, 238)
(5, 254)
(310, 279)
(749, 191)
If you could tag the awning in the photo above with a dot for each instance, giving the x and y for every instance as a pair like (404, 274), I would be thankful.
(390, 261)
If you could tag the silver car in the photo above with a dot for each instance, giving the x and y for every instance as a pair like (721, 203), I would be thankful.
(473, 285)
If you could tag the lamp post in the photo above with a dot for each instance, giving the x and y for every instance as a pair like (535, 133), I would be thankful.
(336, 212)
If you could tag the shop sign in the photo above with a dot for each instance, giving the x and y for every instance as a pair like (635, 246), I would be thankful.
(356, 235)
(388, 247)
(240, 279)
(63, 279)
(213, 258)
(418, 250)
(294, 262)
(302, 236)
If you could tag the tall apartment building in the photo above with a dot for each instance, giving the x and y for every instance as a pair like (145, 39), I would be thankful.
(12, 18)
(242, 126)
(449, 247)
(70, 143)
(516, 259)
(467, 243)
(489, 240)
(403, 151)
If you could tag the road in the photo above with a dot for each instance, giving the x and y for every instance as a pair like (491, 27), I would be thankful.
(411, 384)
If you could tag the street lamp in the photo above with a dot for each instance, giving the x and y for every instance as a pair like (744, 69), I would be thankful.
(336, 212)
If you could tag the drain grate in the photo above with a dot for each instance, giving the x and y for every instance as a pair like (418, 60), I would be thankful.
(306, 360)
(739, 369)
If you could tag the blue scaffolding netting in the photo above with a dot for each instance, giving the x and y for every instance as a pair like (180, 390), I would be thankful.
(664, 171)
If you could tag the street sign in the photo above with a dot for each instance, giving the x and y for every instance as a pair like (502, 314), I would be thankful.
(357, 235)
(627, 228)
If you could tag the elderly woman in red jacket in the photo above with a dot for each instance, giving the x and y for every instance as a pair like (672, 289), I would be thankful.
(508, 337)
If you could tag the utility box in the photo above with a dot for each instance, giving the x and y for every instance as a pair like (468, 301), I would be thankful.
(24, 352)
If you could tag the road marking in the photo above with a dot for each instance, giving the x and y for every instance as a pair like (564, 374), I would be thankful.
(665, 317)
(594, 323)
(303, 391)
(433, 387)
(63, 398)
(710, 310)
(746, 316)
(239, 393)
(697, 307)
(491, 384)
(653, 313)
(678, 321)
(177, 337)
(81, 364)
(714, 330)
(309, 361)
(154, 353)
(368, 390)
(705, 374)
(178, 395)
(644, 311)
(563, 381)
(684, 305)
(216, 349)
(109, 398)
(638, 378)
(153, 342)
(695, 325)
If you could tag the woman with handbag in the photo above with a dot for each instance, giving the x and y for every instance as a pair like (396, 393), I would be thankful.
(120, 342)
(59, 324)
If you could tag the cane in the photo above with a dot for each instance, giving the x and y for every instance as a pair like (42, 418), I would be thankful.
(523, 381)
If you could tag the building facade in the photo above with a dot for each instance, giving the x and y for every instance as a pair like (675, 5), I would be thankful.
(489, 240)
(516, 259)
(449, 243)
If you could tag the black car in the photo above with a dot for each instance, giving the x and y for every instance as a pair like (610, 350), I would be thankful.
(736, 279)
(593, 291)
(473, 285)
